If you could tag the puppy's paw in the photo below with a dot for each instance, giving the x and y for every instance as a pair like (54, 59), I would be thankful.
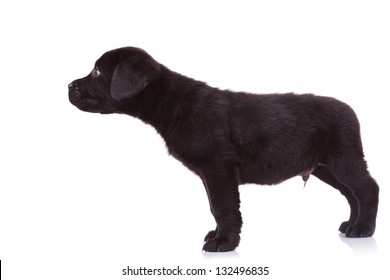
(222, 244)
(358, 230)
(210, 235)
(344, 225)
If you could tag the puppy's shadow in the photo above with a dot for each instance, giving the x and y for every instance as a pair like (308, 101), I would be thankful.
(224, 255)
(360, 246)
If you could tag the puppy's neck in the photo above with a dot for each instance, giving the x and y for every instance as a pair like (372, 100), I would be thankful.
(167, 102)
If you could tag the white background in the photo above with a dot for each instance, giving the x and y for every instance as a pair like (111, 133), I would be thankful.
(84, 195)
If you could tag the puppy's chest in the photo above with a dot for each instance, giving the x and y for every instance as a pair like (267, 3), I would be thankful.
(195, 152)
(184, 158)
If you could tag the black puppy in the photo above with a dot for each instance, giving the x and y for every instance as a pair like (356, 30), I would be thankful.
(232, 138)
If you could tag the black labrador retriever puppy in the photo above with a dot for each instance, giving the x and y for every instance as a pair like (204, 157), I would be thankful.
(231, 138)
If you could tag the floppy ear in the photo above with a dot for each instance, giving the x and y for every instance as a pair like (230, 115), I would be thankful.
(127, 81)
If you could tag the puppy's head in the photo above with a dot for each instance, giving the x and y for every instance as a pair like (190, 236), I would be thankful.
(118, 77)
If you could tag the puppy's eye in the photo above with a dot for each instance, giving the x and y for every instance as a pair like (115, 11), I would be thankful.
(95, 72)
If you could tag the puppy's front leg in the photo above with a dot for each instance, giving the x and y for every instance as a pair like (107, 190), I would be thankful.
(222, 191)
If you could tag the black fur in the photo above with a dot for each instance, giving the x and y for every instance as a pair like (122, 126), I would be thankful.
(231, 138)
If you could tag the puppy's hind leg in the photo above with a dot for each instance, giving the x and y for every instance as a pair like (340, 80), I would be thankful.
(323, 173)
(353, 173)
(222, 191)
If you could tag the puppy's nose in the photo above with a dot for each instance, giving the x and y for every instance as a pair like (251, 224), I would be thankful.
(72, 85)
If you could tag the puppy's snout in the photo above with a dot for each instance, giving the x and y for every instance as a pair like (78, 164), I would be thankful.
(73, 85)
(74, 92)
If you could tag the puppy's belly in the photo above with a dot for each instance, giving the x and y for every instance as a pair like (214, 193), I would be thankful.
(253, 173)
